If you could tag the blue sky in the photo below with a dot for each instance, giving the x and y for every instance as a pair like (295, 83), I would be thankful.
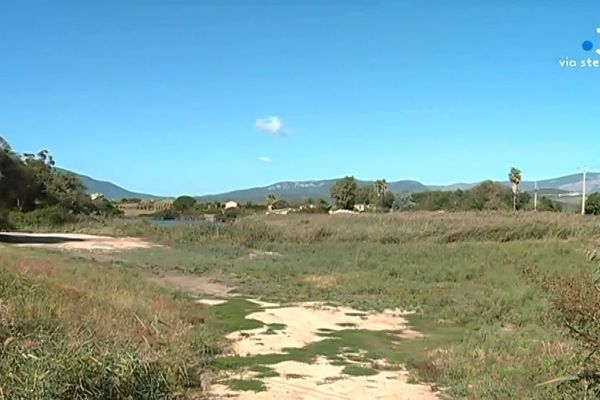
(187, 96)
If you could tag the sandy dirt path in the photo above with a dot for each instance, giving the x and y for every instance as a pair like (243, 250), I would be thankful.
(320, 380)
(74, 241)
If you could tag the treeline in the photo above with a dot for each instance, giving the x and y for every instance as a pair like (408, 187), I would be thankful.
(33, 189)
(488, 195)
(348, 195)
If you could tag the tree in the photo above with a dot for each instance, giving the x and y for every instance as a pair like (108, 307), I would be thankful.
(271, 201)
(281, 204)
(403, 202)
(365, 195)
(592, 205)
(344, 192)
(322, 203)
(523, 202)
(545, 204)
(514, 177)
(380, 187)
(15, 180)
(387, 200)
(488, 195)
(183, 203)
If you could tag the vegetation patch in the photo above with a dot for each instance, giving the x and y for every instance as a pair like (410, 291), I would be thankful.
(231, 316)
(263, 371)
(110, 335)
(355, 370)
(294, 376)
(347, 324)
(240, 385)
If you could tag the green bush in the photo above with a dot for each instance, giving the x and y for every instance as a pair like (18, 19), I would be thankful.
(592, 205)
(183, 203)
(42, 217)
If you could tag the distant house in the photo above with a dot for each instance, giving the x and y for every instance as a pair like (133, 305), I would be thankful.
(96, 196)
(231, 204)
(281, 211)
(360, 207)
(341, 211)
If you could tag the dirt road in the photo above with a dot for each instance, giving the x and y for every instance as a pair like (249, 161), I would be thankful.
(74, 241)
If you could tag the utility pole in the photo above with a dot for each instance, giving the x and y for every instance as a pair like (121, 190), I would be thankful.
(583, 193)
(535, 197)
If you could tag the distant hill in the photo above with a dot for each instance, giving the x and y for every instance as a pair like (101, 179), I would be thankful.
(110, 190)
(298, 191)
(317, 189)
(569, 183)
(561, 187)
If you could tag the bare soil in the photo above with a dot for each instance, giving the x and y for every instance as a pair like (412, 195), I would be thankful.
(194, 284)
(320, 380)
(303, 322)
(75, 241)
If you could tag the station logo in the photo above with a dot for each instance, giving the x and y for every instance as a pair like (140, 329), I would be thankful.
(590, 61)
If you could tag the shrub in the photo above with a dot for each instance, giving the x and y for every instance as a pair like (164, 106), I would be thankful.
(183, 203)
(577, 306)
(41, 217)
(545, 204)
(592, 205)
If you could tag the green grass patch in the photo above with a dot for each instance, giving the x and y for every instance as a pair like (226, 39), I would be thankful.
(276, 326)
(295, 376)
(356, 314)
(239, 385)
(263, 371)
(355, 345)
(231, 316)
(355, 370)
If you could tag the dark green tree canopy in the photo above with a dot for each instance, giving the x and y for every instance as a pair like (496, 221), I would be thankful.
(592, 204)
(344, 192)
(183, 203)
(31, 181)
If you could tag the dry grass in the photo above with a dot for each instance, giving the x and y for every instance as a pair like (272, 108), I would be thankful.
(71, 330)
(394, 228)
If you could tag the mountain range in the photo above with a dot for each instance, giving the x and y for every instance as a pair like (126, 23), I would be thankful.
(110, 190)
(569, 185)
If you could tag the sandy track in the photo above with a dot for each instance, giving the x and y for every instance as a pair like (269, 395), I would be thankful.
(323, 381)
(320, 380)
(74, 241)
(304, 321)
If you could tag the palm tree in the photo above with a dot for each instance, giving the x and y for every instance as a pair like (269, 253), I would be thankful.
(514, 177)
(271, 201)
(380, 187)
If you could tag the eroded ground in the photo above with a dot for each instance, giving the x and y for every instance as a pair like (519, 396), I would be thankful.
(315, 351)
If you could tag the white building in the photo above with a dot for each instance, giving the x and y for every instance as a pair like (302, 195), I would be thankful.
(231, 204)
(360, 207)
(96, 196)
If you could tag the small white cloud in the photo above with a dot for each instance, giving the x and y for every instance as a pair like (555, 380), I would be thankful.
(264, 159)
(272, 125)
